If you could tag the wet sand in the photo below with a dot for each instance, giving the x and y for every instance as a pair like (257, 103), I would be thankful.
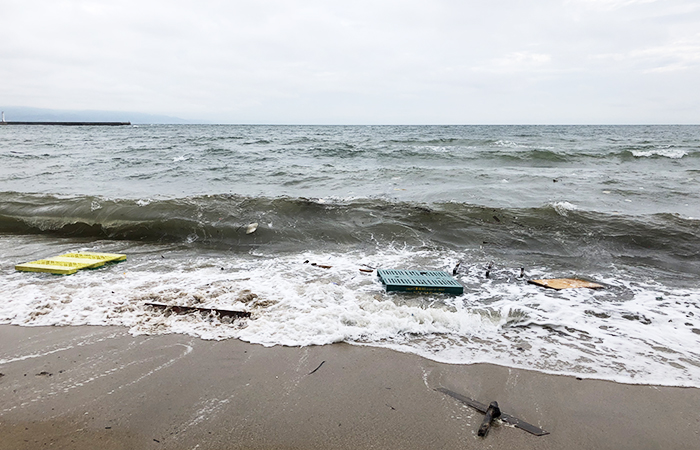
(99, 387)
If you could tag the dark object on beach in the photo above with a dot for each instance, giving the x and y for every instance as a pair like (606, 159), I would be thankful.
(185, 309)
(496, 219)
(493, 412)
(522, 272)
(366, 270)
(456, 269)
(319, 366)
(504, 417)
(321, 266)
(419, 281)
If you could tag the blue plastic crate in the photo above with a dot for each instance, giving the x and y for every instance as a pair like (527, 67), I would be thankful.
(427, 281)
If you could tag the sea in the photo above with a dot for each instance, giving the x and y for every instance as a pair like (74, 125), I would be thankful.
(291, 223)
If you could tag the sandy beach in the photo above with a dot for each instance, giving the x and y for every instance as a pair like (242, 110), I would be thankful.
(99, 387)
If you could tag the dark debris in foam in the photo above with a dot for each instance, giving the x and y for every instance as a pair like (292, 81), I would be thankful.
(179, 309)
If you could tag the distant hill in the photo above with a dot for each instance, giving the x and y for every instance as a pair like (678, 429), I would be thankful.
(26, 114)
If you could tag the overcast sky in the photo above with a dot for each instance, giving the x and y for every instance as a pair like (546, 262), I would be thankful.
(357, 61)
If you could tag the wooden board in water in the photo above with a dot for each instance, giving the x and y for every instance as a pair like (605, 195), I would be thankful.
(566, 283)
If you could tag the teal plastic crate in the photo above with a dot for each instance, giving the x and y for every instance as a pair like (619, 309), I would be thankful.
(418, 281)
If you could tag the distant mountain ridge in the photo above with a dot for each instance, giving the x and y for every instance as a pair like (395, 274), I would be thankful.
(28, 114)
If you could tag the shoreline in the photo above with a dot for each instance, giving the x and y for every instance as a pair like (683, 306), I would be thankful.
(78, 387)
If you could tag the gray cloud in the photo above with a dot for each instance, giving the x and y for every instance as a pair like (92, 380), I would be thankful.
(449, 61)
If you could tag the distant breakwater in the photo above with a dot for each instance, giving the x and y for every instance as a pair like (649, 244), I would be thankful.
(110, 124)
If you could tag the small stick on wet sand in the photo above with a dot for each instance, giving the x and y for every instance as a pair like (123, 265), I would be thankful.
(319, 366)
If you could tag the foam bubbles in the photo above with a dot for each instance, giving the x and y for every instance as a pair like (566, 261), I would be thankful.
(673, 153)
(563, 208)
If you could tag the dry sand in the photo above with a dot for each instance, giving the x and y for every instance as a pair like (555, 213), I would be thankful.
(100, 388)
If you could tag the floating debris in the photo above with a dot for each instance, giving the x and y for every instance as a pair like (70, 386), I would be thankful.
(423, 281)
(566, 283)
(488, 270)
(322, 266)
(69, 263)
(186, 309)
(251, 228)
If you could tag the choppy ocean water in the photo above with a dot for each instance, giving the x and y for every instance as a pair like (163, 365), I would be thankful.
(619, 205)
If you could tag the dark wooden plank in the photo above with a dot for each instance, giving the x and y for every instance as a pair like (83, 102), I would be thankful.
(492, 412)
(186, 309)
(504, 417)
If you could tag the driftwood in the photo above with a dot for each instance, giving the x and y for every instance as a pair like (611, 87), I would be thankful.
(507, 418)
(566, 283)
(322, 266)
(492, 412)
(186, 309)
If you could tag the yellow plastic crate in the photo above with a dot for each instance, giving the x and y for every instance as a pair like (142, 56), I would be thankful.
(105, 257)
(70, 263)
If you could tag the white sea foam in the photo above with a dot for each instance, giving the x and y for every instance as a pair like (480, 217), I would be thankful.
(508, 144)
(563, 208)
(650, 337)
(673, 153)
